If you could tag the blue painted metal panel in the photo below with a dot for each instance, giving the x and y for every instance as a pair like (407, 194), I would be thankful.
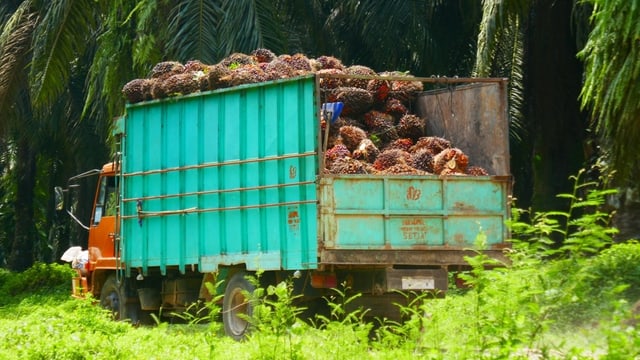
(222, 178)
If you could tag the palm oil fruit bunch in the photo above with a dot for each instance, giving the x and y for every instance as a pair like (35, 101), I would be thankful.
(376, 133)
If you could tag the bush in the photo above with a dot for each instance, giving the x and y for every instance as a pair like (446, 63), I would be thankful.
(40, 278)
(616, 269)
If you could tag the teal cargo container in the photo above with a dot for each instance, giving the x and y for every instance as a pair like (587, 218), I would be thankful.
(225, 183)
(222, 178)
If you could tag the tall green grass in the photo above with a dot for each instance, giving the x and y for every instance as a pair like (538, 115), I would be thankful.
(567, 293)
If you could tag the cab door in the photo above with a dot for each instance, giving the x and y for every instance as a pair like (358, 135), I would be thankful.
(102, 227)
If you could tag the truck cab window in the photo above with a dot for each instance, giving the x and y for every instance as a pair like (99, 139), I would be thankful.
(107, 199)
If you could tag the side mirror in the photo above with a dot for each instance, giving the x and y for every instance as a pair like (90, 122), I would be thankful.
(59, 194)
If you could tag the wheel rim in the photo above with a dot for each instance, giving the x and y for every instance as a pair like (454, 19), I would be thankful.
(237, 313)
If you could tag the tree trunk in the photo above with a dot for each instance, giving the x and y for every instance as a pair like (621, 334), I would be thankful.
(553, 82)
(22, 254)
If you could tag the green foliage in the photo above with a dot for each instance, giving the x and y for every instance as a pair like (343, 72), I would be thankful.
(338, 303)
(564, 244)
(40, 278)
(610, 89)
(614, 267)
(277, 313)
(595, 285)
(551, 301)
(581, 231)
(275, 317)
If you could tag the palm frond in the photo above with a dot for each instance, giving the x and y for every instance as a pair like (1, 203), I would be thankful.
(192, 30)
(611, 89)
(305, 26)
(148, 46)
(7, 8)
(517, 128)
(64, 30)
(495, 16)
(367, 29)
(247, 25)
(418, 31)
(15, 45)
(111, 64)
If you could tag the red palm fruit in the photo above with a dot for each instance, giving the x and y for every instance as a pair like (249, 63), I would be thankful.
(411, 126)
(379, 88)
(402, 169)
(263, 55)
(180, 84)
(336, 152)
(216, 74)
(279, 69)
(452, 159)
(356, 101)
(422, 160)
(389, 158)
(403, 144)
(246, 74)
(347, 165)
(395, 107)
(237, 59)
(366, 151)
(351, 136)
(329, 62)
(476, 171)
(134, 90)
(405, 90)
(165, 69)
(330, 83)
(433, 144)
(358, 70)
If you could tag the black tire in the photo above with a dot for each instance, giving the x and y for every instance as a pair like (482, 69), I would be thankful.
(113, 297)
(237, 307)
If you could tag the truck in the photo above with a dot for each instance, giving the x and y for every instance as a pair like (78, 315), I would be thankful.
(218, 185)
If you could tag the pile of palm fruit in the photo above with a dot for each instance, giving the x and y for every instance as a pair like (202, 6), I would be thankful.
(376, 132)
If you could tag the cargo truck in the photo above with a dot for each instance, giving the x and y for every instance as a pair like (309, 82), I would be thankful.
(222, 184)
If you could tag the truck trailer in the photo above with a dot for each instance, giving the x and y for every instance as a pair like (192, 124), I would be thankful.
(218, 185)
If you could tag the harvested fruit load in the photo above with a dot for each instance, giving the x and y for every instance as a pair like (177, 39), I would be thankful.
(376, 133)
(430, 155)
(171, 78)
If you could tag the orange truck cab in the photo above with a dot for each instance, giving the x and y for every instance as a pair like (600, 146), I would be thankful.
(102, 242)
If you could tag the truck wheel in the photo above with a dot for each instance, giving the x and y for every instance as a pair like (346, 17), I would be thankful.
(113, 297)
(236, 306)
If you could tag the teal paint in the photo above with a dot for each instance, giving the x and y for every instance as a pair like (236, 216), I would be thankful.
(224, 177)
(413, 212)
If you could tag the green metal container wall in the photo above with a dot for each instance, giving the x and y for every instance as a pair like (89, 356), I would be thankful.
(413, 212)
(221, 178)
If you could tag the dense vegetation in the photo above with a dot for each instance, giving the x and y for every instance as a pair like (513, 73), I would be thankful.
(63, 64)
(571, 302)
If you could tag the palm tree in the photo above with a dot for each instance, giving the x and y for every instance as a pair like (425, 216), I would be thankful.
(78, 55)
(546, 79)
(611, 89)
(19, 23)
(48, 41)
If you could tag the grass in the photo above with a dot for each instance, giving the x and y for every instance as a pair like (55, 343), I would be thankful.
(505, 324)
(571, 301)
